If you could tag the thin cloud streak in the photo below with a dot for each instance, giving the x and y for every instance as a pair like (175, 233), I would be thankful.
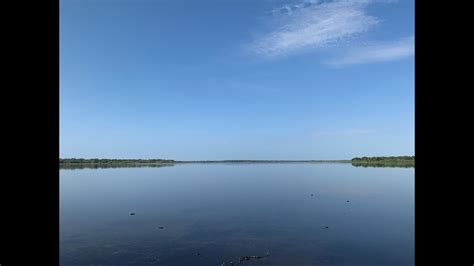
(313, 25)
(376, 53)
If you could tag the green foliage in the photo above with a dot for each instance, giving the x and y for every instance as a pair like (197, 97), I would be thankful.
(387, 161)
(113, 161)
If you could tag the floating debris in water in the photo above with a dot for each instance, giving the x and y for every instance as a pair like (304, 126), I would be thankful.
(132, 213)
(243, 258)
(161, 227)
(312, 195)
(326, 227)
(347, 201)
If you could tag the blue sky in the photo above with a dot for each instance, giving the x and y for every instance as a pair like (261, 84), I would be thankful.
(203, 80)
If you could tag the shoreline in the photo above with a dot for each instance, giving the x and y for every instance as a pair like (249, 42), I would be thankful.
(97, 165)
(393, 161)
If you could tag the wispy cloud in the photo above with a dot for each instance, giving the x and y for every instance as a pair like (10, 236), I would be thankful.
(380, 52)
(313, 24)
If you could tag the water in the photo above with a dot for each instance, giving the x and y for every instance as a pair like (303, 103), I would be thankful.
(215, 213)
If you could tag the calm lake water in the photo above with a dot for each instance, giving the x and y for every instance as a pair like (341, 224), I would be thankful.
(207, 214)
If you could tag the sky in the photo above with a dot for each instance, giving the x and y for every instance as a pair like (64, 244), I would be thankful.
(228, 79)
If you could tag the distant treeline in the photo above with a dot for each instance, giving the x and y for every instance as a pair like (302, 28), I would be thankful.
(148, 161)
(267, 161)
(113, 161)
(387, 161)
(74, 163)
(73, 166)
(78, 163)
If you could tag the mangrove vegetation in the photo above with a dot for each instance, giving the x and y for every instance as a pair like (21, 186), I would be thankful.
(78, 163)
(384, 161)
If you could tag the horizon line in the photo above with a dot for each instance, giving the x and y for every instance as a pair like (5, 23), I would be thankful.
(222, 160)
